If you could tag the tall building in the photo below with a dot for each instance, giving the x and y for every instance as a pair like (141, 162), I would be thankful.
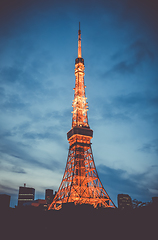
(80, 183)
(26, 195)
(49, 196)
(124, 201)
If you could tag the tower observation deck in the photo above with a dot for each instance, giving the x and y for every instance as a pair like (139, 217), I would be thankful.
(80, 183)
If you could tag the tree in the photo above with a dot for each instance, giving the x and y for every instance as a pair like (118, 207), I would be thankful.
(139, 204)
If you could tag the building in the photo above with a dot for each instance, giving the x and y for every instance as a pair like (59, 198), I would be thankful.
(4, 201)
(155, 201)
(124, 201)
(49, 196)
(26, 194)
(38, 203)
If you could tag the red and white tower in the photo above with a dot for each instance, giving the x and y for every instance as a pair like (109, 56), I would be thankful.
(80, 183)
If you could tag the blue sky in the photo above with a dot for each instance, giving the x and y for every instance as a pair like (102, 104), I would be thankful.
(38, 47)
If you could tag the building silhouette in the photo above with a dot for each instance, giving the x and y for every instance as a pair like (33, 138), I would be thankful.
(49, 196)
(26, 194)
(80, 183)
(4, 201)
(124, 201)
(38, 203)
(155, 201)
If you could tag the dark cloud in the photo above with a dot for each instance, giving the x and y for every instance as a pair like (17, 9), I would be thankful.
(117, 181)
(9, 75)
(22, 128)
(5, 134)
(2, 92)
(45, 135)
(17, 169)
(13, 103)
(12, 148)
(19, 150)
(60, 124)
(141, 51)
(11, 167)
(63, 117)
(126, 107)
(150, 147)
(22, 82)
(113, 116)
(6, 189)
(123, 67)
(54, 165)
(133, 57)
(136, 99)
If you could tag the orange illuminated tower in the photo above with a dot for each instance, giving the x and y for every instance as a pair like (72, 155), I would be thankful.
(80, 183)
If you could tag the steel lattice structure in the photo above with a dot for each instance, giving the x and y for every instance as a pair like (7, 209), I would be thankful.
(80, 183)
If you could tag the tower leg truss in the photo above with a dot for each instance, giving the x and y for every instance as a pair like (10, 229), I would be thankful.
(80, 183)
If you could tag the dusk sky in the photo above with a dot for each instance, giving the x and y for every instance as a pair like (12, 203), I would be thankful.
(38, 47)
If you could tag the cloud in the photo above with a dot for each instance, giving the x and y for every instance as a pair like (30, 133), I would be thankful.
(141, 51)
(11, 167)
(150, 147)
(137, 105)
(136, 99)
(127, 107)
(5, 189)
(10, 74)
(131, 58)
(123, 67)
(18, 154)
(13, 103)
(17, 169)
(138, 186)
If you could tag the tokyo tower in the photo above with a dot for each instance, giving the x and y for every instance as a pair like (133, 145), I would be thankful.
(80, 183)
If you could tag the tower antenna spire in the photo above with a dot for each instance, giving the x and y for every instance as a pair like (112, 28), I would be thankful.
(79, 42)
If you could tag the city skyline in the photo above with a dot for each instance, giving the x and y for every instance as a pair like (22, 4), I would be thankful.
(38, 46)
